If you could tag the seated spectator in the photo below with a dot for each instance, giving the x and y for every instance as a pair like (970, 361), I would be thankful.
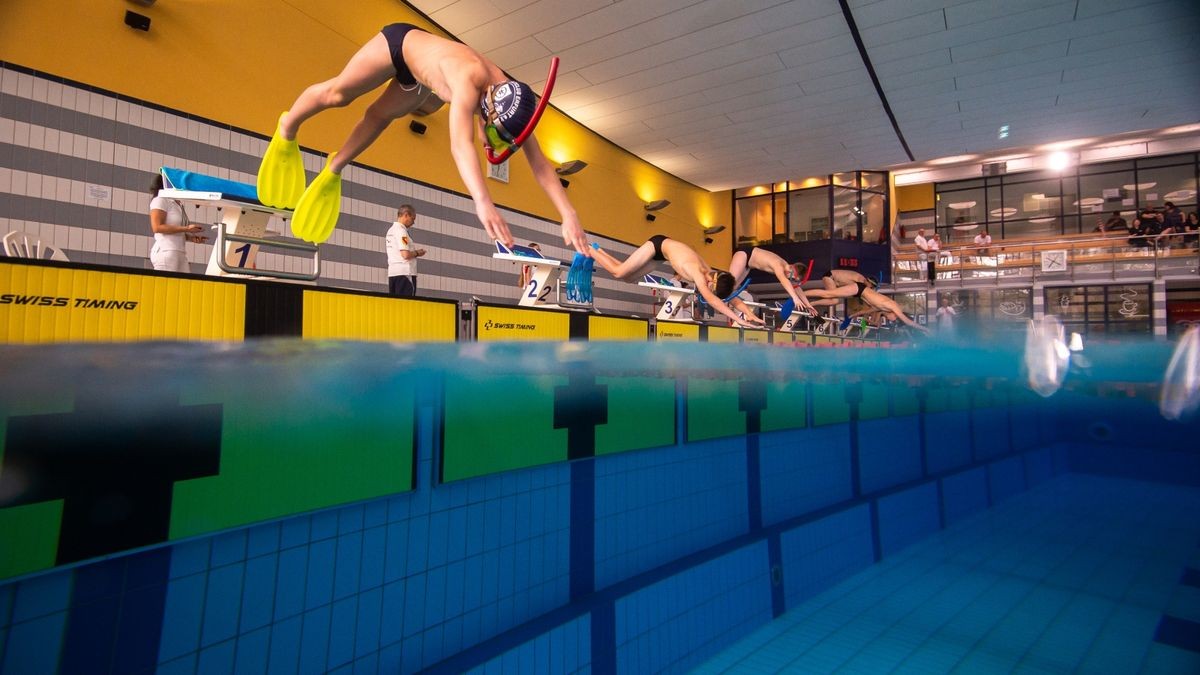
(983, 239)
(1191, 228)
(1145, 226)
(1115, 223)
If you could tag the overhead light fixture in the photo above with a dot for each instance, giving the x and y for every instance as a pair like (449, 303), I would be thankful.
(571, 166)
(650, 217)
(657, 205)
(417, 128)
(1058, 161)
(715, 229)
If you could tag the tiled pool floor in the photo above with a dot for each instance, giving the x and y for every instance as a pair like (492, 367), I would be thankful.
(1082, 574)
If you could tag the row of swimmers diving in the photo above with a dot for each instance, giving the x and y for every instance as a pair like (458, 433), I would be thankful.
(420, 72)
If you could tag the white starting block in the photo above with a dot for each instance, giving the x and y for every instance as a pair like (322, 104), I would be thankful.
(828, 325)
(675, 296)
(243, 221)
(545, 277)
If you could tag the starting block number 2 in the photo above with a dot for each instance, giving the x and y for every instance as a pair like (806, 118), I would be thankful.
(533, 291)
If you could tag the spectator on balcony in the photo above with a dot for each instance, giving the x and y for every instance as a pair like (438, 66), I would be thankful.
(1172, 218)
(1146, 225)
(924, 256)
(983, 240)
(1191, 228)
(1115, 223)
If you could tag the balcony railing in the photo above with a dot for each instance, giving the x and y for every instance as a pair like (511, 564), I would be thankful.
(1088, 258)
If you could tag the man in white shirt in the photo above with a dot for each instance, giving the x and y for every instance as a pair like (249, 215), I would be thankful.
(983, 239)
(927, 247)
(402, 254)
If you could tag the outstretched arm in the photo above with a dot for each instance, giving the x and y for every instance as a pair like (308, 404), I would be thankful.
(796, 292)
(462, 148)
(572, 232)
(738, 306)
(717, 304)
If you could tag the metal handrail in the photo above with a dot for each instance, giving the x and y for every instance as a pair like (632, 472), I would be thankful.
(223, 236)
(1154, 249)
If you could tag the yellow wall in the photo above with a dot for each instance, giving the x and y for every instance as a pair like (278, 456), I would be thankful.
(241, 62)
(914, 197)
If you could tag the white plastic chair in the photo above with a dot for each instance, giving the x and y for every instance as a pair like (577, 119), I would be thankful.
(18, 245)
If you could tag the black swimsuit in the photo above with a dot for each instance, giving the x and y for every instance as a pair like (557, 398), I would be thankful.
(395, 34)
(658, 240)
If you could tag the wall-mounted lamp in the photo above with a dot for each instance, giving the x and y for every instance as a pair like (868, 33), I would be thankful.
(571, 166)
(716, 229)
(417, 128)
(657, 205)
(650, 217)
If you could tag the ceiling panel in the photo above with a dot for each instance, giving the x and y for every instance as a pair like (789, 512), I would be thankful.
(726, 93)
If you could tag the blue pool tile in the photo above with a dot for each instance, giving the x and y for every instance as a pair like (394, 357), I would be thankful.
(263, 539)
(367, 627)
(907, 517)
(367, 665)
(435, 596)
(258, 592)
(414, 604)
(181, 666)
(343, 620)
(318, 589)
(182, 617)
(252, 652)
(350, 519)
(294, 532)
(90, 632)
(290, 582)
(314, 640)
(324, 525)
(222, 604)
(42, 595)
(395, 561)
(347, 565)
(228, 548)
(190, 557)
(374, 553)
(375, 513)
(439, 522)
(101, 580)
(217, 659)
(417, 551)
(391, 622)
(285, 646)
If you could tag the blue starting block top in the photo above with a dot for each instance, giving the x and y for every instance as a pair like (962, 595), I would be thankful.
(518, 250)
(658, 281)
(178, 179)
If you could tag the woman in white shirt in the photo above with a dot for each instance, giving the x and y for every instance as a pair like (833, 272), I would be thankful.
(171, 231)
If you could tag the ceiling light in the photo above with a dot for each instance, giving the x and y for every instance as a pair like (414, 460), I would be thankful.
(1004, 212)
(657, 205)
(570, 166)
(1140, 186)
(1058, 161)
(959, 206)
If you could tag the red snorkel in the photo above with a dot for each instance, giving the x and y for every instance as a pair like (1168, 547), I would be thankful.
(492, 157)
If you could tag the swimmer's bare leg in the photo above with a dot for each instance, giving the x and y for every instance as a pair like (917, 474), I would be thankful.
(370, 67)
(395, 102)
(636, 260)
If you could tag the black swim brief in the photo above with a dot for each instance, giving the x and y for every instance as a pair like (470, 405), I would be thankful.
(748, 249)
(861, 287)
(658, 240)
(395, 34)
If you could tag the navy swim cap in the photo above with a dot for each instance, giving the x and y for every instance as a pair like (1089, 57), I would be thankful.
(509, 107)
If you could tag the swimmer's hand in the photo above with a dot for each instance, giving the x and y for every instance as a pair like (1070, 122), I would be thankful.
(574, 236)
(495, 226)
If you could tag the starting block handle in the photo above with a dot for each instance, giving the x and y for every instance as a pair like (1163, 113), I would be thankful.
(223, 237)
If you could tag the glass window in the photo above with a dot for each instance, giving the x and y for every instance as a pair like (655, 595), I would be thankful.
(959, 185)
(1101, 310)
(960, 207)
(846, 178)
(913, 304)
(1046, 226)
(994, 204)
(808, 214)
(1106, 167)
(1166, 160)
(1102, 193)
(1012, 305)
(753, 223)
(779, 231)
(874, 214)
(1166, 184)
(1023, 201)
(845, 213)
(752, 191)
(874, 180)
